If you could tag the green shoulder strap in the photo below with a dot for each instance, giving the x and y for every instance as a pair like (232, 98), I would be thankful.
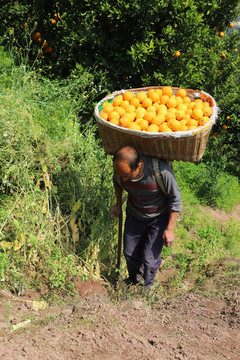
(158, 175)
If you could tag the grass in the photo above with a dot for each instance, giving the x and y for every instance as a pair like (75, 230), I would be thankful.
(56, 192)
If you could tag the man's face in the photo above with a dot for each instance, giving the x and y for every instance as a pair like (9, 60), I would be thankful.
(123, 169)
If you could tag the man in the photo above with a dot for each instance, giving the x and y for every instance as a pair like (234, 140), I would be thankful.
(150, 214)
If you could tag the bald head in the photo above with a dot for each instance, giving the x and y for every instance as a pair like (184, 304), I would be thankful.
(128, 155)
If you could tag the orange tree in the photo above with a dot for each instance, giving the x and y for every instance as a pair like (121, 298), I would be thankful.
(139, 43)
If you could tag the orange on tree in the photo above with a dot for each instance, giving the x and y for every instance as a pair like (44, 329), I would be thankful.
(177, 54)
(224, 127)
(49, 49)
(37, 35)
(231, 25)
(221, 34)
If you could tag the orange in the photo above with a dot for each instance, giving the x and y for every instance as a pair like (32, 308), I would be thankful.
(183, 122)
(164, 128)
(177, 54)
(124, 121)
(37, 35)
(54, 21)
(183, 128)
(120, 110)
(153, 128)
(150, 91)
(154, 96)
(167, 90)
(45, 44)
(158, 120)
(221, 34)
(124, 104)
(159, 91)
(180, 114)
(49, 49)
(203, 120)
(39, 39)
(151, 108)
(149, 116)
(107, 107)
(146, 103)
(141, 96)
(192, 122)
(182, 93)
(114, 121)
(117, 100)
(143, 124)
(113, 115)
(179, 100)
(130, 108)
(197, 105)
(173, 110)
(104, 115)
(128, 95)
(134, 126)
(186, 99)
(140, 112)
(207, 111)
(197, 114)
(174, 124)
(190, 105)
(172, 102)
(162, 108)
(231, 25)
(186, 117)
(182, 107)
(164, 99)
(188, 112)
(129, 115)
(170, 115)
(224, 127)
(135, 102)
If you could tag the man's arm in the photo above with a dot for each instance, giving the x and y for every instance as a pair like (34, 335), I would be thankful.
(116, 209)
(168, 234)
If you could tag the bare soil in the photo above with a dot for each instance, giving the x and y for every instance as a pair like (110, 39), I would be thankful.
(194, 324)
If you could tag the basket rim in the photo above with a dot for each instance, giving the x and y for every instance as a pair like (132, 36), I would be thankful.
(144, 134)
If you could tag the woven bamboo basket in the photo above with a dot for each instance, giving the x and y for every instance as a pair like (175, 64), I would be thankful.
(183, 145)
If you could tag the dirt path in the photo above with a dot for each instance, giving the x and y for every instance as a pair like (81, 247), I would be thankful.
(189, 326)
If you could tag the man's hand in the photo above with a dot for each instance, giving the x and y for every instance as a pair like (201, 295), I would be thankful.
(115, 210)
(168, 237)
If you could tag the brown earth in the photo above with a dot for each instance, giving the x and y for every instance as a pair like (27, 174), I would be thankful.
(201, 324)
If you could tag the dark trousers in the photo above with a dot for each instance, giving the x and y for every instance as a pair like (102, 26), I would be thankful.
(142, 247)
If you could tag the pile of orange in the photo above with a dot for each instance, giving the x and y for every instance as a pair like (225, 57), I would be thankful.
(158, 110)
